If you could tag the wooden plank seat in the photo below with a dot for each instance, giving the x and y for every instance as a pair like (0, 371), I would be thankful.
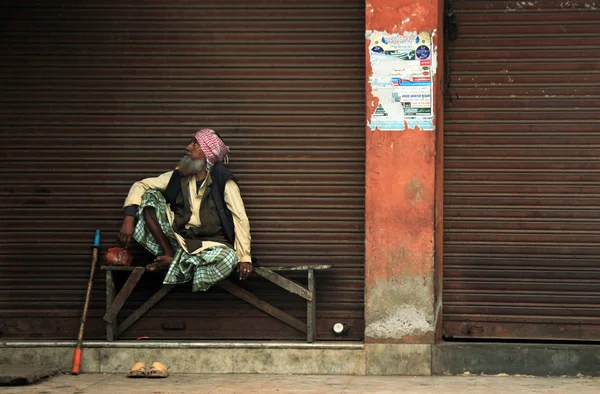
(114, 303)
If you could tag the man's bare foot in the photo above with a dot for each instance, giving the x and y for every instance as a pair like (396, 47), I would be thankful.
(160, 263)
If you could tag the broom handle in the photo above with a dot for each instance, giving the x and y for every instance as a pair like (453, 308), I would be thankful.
(77, 354)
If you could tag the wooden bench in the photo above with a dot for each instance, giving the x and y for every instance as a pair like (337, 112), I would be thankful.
(114, 303)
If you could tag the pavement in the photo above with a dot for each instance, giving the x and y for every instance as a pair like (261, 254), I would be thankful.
(248, 384)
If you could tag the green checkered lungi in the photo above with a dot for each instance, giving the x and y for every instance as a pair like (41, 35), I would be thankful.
(204, 269)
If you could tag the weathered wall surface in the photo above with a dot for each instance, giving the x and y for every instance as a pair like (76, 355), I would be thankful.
(400, 180)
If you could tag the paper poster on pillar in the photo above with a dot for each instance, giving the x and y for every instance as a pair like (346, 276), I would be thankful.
(402, 79)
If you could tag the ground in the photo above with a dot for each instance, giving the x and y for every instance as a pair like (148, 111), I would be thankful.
(228, 383)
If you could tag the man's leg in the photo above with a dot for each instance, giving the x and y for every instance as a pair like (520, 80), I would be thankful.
(161, 262)
(205, 268)
(154, 227)
(154, 232)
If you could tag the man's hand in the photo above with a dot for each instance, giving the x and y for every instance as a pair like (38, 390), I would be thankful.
(126, 231)
(245, 269)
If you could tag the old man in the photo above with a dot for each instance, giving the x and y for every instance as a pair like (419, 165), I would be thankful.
(193, 218)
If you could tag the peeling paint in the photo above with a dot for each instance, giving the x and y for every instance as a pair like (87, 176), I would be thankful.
(400, 307)
(383, 14)
(406, 321)
(414, 191)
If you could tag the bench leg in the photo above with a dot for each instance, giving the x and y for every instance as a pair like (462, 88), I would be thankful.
(311, 308)
(111, 328)
(139, 312)
(126, 290)
(250, 298)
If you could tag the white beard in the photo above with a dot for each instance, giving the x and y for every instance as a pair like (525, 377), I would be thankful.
(187, 166)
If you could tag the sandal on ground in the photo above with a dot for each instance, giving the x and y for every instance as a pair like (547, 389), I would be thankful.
(158, 370)
(138, 370)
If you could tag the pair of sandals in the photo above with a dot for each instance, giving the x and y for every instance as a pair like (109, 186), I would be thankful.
(157, 370)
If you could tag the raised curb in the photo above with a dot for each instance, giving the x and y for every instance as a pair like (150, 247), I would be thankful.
(516, 359)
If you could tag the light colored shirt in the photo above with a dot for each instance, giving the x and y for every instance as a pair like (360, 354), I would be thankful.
(233, 200)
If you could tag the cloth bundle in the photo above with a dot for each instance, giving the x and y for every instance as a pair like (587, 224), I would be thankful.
(118, 256)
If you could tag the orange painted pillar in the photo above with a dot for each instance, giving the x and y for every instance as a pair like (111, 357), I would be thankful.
(400, 167)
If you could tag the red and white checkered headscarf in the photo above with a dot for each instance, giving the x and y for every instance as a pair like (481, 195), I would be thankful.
(213, 147)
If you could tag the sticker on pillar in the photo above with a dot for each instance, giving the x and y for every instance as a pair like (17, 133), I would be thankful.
(402, 79)
(380, 111)
(422, 52)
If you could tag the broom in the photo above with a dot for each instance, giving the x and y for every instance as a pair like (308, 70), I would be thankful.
(77, 354)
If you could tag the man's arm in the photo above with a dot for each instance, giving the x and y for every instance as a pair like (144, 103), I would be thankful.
(134, 199)
(241, 224)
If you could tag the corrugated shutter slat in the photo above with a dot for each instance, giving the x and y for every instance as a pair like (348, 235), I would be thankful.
(96, 95)
(522, 171)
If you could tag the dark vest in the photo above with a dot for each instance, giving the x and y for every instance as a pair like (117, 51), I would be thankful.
(216, 221)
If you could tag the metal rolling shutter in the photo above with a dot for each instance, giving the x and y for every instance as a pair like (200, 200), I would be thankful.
(522, 172)
(96, 95)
